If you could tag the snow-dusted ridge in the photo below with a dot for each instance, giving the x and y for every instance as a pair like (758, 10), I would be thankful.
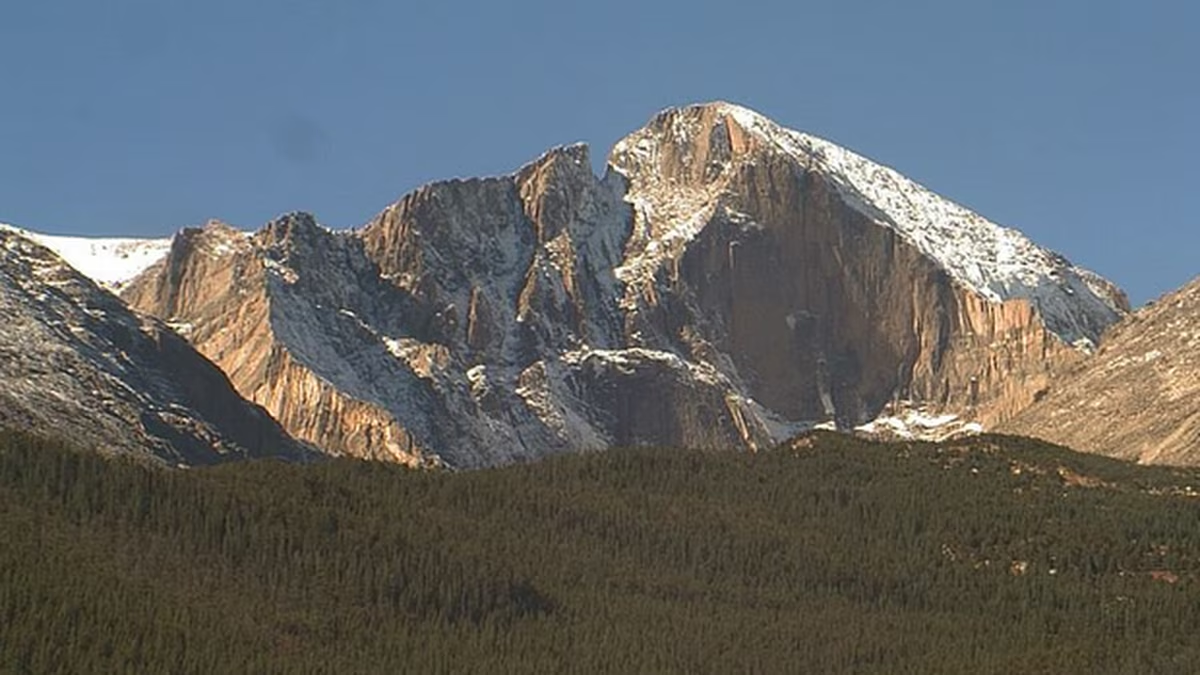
(109, 261)
(995, 262)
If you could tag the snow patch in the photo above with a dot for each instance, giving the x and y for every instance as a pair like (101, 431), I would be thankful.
(281, 270)
(779, 429)
(917, 423)
(110, 262)
(183, 328)
(625, 360)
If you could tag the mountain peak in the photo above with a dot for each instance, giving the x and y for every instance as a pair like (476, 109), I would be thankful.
(576, 153)
(291, 225)
(699, 148)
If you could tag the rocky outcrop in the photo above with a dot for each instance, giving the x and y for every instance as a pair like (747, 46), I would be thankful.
(1138, 398)
(510, 267)
(284, 333)
(726, 282)
(75, 362)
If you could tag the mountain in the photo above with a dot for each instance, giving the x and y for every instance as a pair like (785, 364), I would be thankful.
(726, 283)
(839, 283)
(1138, 398)
(76, 362)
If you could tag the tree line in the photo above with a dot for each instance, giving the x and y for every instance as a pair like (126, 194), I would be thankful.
(836, 554)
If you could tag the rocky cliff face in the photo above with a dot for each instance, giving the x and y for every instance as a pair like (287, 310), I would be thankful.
(726, 283)
(75, 362)
(1138, 398)
(274, 311)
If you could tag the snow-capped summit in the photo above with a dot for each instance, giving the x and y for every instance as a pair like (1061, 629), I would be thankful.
(995, 262)
(109, 261)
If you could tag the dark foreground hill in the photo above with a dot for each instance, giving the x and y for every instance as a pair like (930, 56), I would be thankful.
(991, 554)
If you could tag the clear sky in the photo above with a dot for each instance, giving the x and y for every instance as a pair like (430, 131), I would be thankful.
(1073, 121)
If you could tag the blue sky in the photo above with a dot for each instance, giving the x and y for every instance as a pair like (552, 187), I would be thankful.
(1072, 121)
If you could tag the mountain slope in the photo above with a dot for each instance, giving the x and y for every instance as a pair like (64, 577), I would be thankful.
(726, 283)
(76, 362)
(1138, 398)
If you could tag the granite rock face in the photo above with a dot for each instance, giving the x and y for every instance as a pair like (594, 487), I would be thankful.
(727, 282)
(75, 362)
(1138, 398)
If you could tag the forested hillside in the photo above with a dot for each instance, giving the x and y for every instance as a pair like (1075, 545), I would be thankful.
(988, 555)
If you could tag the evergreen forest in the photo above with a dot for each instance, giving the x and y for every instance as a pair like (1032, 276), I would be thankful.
(829, 554)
